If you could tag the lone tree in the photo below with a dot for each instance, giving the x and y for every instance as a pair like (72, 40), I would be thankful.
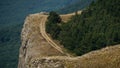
(54, 17)
(52, 26)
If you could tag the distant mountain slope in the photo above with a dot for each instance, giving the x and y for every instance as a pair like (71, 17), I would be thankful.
(79, 5)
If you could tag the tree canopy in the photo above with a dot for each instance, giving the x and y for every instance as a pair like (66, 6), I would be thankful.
(98, 26)
(52, 25)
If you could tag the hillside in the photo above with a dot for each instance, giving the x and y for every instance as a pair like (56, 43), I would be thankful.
(37, 51)
(93, 35)
(104, 58)
(98, 26)
(12, 15)
(35, 42)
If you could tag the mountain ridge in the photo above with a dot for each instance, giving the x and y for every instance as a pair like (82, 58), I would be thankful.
(95, 28)
(32, 55)
(12, 15)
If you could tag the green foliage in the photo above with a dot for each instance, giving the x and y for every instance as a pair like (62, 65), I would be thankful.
(52, 25)
(10, 30)
(9, 46)
(98, 26)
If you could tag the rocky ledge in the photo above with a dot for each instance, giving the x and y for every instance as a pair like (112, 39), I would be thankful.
(36, 52)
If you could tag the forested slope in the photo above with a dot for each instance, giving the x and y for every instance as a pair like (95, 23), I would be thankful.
(98, 26)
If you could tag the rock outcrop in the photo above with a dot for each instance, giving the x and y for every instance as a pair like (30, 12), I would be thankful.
(37, 52)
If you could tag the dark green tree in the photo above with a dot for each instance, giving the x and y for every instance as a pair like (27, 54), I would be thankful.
(52, 25)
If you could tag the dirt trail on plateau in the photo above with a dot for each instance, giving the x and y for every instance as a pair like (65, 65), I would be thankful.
(48, 39)
(65, 18)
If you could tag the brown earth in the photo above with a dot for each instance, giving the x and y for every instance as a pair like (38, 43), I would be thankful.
(38, 50)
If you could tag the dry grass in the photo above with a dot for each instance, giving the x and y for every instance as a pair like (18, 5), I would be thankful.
(108, 57)
(67, 17)
(36, 44)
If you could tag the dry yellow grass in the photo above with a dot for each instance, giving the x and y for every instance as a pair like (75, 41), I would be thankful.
(39, 48)
(67, 17)
(108, 57)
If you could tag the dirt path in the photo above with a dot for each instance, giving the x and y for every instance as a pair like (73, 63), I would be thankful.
(44, 34)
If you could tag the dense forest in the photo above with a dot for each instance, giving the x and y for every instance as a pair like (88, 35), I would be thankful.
(98, 26)
(9, 45)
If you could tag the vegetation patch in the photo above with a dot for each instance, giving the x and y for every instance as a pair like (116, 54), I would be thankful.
(98, 26)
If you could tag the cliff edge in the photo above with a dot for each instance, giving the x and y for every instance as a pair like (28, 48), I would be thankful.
(39, 51)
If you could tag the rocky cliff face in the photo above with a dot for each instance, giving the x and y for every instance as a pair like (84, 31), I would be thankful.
(37, 52)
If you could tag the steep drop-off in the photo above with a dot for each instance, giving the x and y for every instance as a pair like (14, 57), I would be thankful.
(39, 51)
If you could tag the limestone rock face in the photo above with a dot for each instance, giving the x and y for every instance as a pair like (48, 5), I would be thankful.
(47, 63)
(37, 52)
